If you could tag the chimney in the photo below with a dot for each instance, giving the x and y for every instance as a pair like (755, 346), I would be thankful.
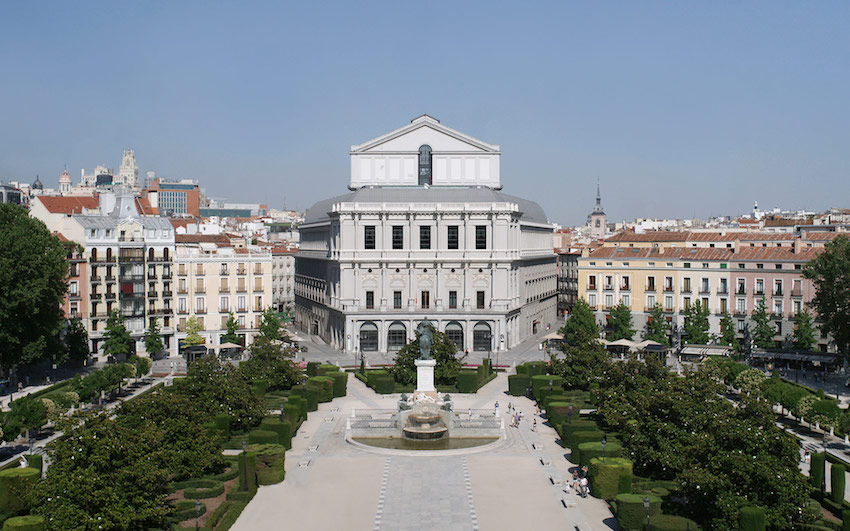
(798, 245)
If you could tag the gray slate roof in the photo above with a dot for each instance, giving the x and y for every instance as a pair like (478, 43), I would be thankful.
(531, 211)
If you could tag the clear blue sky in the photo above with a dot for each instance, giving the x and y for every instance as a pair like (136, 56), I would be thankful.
(680, 109)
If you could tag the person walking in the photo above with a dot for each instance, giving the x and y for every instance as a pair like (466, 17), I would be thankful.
(583, 487)
(534, 426)
(496, 410)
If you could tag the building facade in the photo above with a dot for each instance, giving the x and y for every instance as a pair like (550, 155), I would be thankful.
(425, 233)
(174, 197)
(283, 277)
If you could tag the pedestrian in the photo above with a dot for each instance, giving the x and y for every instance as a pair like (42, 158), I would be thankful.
(575, 480)
(496, 413)
(510, 407)
(584, 471)
(583, 487)
(534, 426)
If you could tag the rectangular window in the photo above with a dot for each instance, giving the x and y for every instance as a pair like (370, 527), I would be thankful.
(396, 300)
(591, 282)
(398, 237)
(424, 237)
(686, 303)
(370, 300)
(453, 240)
(724, 285)
(452, 299)
(704, 285)
(668, 303)
(199, 304)
(609, 301)
(759, 286)
(224, 304)
(480, 236)
(369, 236)
(777, 287)
(668, 283)
(741, 326)
(624, 283)
(779, 328)
(479, 299)
(686, 288)
(609, 282)
(798, 307)
(723, 307)
(626, 300)
(705, 302)
(742, 287)
(426, 299)
(650, 283)
(591, 300)
(650, 301)
(742, 306)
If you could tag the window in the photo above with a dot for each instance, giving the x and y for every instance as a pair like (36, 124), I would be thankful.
(742, 287)
(199, 304)
(396, 300)
(687, 286)
(724, 285)
(480, 236)
(424, 237)
(626, 300)
(650, 283)
(668, 283)
(704, 285)
(609, 282)
(723, 307)
(777, 287)
(452, 299)
(396, 336)
(687, 265)
(778, 266)
(777, 307)
(591, 282)
(759, 286)
(798, 307)
(591, 300)
(181, 304)
(73, 289)
(426, 299)
(705, 302)
(741, 326)
(479, 300)
(453, 237)
(242, 303)
(481, 337)
(425, 164)
(798, 266)
(224, 304)
(779, 328)
(668, 303)
(624, 283)
(742, 266)
(369, 237)
(454, 331)
(723, 266)
(370, 300)
(650, 301)
(609, 301)
(705, 266)
(686, 303)
(398, 237)
(742, 306)
(759, 266)
(368, 337)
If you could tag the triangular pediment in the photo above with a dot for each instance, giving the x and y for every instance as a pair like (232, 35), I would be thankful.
(425, 130)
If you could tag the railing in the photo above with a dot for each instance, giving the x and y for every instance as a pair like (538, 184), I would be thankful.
(668, 289)
(241, 271)
(625, 288)
(103, 260)
(183, 312)
(110, 296)
(777, 293)
(705, 290)
(650, 288)
(109, 278)
(722, 290)
(152, 294)
(609, 287)
(741, 291)
(95, 278)
(200, 290)
(758, 291)
(242, 309)
(242, 289)
(182, 291)
(201, 310)
(686, 289)
(167, 275)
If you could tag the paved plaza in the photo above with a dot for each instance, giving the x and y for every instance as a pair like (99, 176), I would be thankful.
(331, 484)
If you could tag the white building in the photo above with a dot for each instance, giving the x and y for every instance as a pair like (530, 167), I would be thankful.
(425, 232)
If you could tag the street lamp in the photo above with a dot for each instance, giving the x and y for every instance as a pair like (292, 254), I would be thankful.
(604, 442)
(244, 471)
(197, 513)
(646, 506)
(501, 346)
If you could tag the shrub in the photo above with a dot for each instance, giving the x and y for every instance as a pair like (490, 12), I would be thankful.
(222, 424)
(301, 403)
(207, 488)
(24, 523)
(372, 376)
(340, 382)
(518, 384)
(828, 409)
(536, 367)
(313, 368)
(567, 429)
(668, 522)
(837, 480)
(263, 437)
(183, 510)
(610, 477)
(540, 381)
(35, 461)
(467, 381)
(523, 370)
(225, 476)
(752, 519)
(259, 387)
(270, 463)
(384, 385)
(326, 368)
(589, 450)
(281, 429)
(247, 474)
(292, 414)
(630, 512)
(310, 395)
(816, 474)
(230, 517)
(324, 385)
(845, 519)
(578, 438)
(15, 483)
(557, 412)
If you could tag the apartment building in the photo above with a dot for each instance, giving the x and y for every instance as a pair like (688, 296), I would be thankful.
(283, 277)
(214, 279)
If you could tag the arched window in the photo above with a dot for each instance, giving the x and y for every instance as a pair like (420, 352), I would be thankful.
(151, 255)
(108, 254)
(481, 337)
(368, 337)
(425, 164)
(165, 253)
(455, 332)
(94, 254)
(396, 336)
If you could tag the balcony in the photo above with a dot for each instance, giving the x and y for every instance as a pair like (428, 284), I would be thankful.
(705, 290)
(152, 294)
(199, 273)
(686, 289)
(668, 289)
(95, 296)
(109, 278)
(609, 287)
(200, 290)
(95, 279)
(201, 311)
(224, 272)
(591, 287)
(625, 288)
(242, 289)
(182, 291)
(166, 274)
(777, 293)
(722, 290)
(260, 309)
(183, 311)
(739, 312)
(242, 309)
(241, 271)
(75, 296)
(758, 292)
(224, 289)
(103, 260)
(650, 287)
(741, 291)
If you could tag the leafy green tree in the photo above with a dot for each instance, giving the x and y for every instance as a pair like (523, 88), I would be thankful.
(193, 333)
(580, 328)
(270, 325)
(751, 381)
(443, 350)
(141, 365)
(232, 327)
(27, 413)
(830, 273)
(696, 324)
(620, 323)
(33, 283)
(804, 333)
(581, 365)
(117, 341)
(657, 327)
(76, 340)
(153, 339)
(269, 363)
(727, 332)
(764, 331)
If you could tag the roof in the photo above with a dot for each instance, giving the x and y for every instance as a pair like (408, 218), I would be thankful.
(68, 205)
(219, 239)
(530, 211)
(182, 222)
(660, 236)
(767, 254)
(144, 207)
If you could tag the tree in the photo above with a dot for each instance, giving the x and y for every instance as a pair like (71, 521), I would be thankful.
(193, 333)
(270, 325)
(33, 282)
(232, 326)
(764, 331)
(153, 340)
(269, 363)
(620, 323)
(117, 341)
(580, 328)
(830, 273)
(696, 324)
(443, 350)
(141, 365)
(657, 327)
(76, 340)
(728, 335)
(581, 365)
(751, 381)
(804, 333)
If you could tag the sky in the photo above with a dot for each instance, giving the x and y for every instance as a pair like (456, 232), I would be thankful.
(679, 109)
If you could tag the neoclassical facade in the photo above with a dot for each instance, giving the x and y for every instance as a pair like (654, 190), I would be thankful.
(425, 232)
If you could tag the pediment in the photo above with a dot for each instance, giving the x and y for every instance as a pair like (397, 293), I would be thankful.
(425, 130)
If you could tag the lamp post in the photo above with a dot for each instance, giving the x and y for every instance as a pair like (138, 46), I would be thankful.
(197, 513)
(245, 470)
(501, 346)
(604, 442)
(646, 506)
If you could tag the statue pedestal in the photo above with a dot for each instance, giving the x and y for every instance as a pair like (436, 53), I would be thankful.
(425, 380)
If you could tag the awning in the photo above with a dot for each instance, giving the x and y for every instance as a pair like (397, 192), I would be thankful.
(553, 335)
(228, 345)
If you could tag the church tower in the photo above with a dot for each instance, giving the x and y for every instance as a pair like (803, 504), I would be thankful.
(596, 219)
(65, 182)
(128, 174)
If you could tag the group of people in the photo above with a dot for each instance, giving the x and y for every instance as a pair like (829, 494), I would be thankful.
(580, 483)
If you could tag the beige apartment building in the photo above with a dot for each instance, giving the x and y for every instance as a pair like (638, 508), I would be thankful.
(214, 279)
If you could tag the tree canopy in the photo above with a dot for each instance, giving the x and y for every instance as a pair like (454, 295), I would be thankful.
(443, 350)
(620, 323)
(830, 273)
(270, 325)
(580, 327)
(764, 331)
(232, 327)
(657, 327)
(117, 341)
(33, 283)
(804, 332)
(76, 340)
(728, 334)
(193, 333)
(696, 324)
(153, 339)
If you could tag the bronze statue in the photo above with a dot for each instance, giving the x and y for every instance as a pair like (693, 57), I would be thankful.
(426, 339)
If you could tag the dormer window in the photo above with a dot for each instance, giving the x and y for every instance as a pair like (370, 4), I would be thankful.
(425, 164)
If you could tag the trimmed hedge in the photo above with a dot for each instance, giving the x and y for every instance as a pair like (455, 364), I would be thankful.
(467, 381)
(340, 383)
(29, 522)
(532, 368)
(206, 488)
(14, 485)
(557, 412)
(313, 368)
(817, 473)
(567, 429)
(37, 461)
(324, 385)
(281, 429)
(259, 387)
(630, 512)
(845, 519)
(292, 414)
(183, 510)
(837, 481)
(540, 381)
(518, 384)
(610, 477)
(669, 522)
(577, 438)
(225, 476)
(301, 403)
(384, 385)
(752, 519)
(230, 517)
(372, 376)
(589, 450)
(270, 463)
(247, 474)
(222, 424)
(310, 395)
(263, 437)
(326, 368)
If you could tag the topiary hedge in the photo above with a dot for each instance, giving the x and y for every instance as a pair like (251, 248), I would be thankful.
(384, 385)
(837, 481)
(222, 424)
(818, 470)
(589, 450)
(541, 381)
(340, 382)
(610, 477)
(567, 429)
(631, 514)
(301, 403)
(324, 385)
(752, 519)
(183, 510)
(518, 384)
(281, 429)
(15, 483)
(270, 463)
(29, 522)
(313, 368)
(292, 414)
(467, 381)
(247, 475)
(259, 387)
(669, 522)
(35, 461)
(263, 437)
(206, 488)
(372, 376)
(311, 396)
(326, 368)
(534, 368)
(577, 438)
(557, 412)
